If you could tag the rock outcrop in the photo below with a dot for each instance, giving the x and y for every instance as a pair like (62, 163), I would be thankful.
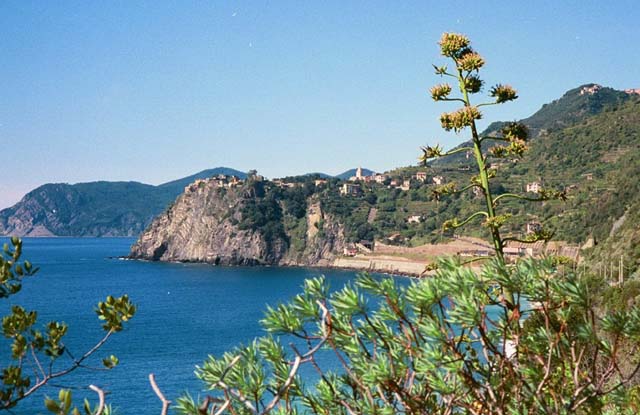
(210, 224)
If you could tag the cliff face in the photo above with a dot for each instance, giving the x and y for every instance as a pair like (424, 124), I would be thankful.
(216, 225)
(324, 238)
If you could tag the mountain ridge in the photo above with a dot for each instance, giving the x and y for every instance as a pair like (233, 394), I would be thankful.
(570, 109)
(98, 208)
(64, 209)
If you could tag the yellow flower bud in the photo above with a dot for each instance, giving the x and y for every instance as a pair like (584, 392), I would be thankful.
(459, 119)
(440, 92)
(453, 44)
(471, 61)
(503, 93)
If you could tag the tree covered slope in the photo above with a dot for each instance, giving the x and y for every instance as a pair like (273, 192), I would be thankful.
(94, 209)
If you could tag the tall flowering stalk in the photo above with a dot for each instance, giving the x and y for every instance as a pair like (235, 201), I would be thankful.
(512, 138)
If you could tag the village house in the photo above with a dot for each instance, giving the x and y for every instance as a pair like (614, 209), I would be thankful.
(380, 178)
(421, 176)
(414, 219)
(533, 187)
(350, 189)
(633, 91)
(192, 187)
(219, 182)
(320, 182)
(590, 90)
(406, 185)
(286, 185)
(393, 183)
(350, 250)
(234, 181)
(438, 180)
(588, 176)
(369, 179)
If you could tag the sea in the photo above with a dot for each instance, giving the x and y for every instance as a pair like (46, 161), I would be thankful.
(186, 312)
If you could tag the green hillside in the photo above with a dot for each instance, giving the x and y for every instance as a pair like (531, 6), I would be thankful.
(591, 154)
(94, 209)
(587, 145)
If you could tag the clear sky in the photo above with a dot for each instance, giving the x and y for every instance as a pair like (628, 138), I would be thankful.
(153, 91)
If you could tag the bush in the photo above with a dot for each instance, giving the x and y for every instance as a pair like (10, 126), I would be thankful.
(443, 345)
(33, 347)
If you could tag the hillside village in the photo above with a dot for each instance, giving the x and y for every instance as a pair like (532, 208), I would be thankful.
(395, 241)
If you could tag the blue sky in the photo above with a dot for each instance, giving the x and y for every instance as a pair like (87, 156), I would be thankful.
(153, 91)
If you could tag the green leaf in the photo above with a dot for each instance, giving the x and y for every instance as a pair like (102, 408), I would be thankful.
(52, 405)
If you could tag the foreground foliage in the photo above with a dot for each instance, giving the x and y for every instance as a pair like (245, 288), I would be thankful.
(33, 349)
(444, 345)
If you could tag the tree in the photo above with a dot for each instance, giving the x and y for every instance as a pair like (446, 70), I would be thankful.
(508, 339)
(34, 348)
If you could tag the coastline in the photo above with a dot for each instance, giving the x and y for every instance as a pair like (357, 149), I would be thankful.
(393, 267)
(401, 267)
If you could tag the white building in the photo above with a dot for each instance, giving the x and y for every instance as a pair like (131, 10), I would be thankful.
(380, 178)
(350, 189)
(414, 219)
(421, 176)
(533, 187)
(358, 177)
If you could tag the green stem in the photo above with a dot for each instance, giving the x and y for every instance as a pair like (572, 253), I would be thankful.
(482, 168)
(484, 181)
(469, 219)
(516, 196)
(457, 150)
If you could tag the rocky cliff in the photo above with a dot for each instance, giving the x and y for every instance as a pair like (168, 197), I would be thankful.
(247, 224)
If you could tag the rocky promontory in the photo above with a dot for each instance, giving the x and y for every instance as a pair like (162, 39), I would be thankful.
(233, 222)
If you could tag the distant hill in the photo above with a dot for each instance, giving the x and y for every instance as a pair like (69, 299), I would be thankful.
(178, 185)
(586, 142)
(319, 175)
(352, 172)
(575, 106)
(96, 208)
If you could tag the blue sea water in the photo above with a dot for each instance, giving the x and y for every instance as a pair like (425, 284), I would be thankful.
(185, 313)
